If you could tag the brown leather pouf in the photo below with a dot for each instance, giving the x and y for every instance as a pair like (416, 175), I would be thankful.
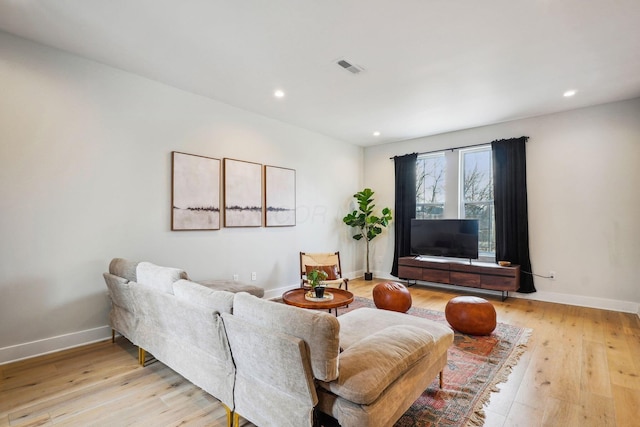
(392, 296)
(471, 315)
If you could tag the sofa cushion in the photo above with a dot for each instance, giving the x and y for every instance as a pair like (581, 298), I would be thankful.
(123, 268)
(194, 293)
(358, 324)
(162, 278)
(118, 292)
(319, 330)
(369, 366)
(274, 385)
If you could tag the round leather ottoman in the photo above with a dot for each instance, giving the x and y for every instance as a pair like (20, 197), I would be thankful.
(471, 315)
(392, 296)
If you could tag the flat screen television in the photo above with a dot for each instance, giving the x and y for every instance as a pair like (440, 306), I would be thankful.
(456, 238)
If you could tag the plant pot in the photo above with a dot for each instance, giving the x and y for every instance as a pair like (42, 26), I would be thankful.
(368, 276)
(319, 290)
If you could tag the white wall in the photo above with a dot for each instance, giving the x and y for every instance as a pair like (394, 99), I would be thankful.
(85, 176)
(583, 172)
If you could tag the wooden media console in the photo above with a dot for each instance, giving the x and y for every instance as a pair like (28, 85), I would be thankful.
(482, 275)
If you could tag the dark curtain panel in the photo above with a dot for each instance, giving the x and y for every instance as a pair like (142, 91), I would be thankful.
(405, 206)
(510, 200)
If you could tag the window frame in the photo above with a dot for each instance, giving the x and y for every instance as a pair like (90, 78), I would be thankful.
(462, 202)
(419, 214)
(453, 186)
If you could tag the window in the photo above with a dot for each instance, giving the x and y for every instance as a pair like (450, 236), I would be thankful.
(458, 184)
(430, 191)
(477, 195)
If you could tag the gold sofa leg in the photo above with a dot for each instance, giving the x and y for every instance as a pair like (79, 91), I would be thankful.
(236, 420)
(229, 415)
(141, 356)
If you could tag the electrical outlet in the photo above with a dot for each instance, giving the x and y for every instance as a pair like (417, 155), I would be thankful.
(236, 277)
(552, 275)
(253, 276)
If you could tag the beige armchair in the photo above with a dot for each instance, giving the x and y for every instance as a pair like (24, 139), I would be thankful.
(327, 262)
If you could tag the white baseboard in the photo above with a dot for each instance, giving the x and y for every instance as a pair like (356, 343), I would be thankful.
(51, 345)
(560, 298)
(581, 301)
(277, 293)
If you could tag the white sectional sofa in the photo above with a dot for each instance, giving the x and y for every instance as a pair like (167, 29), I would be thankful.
(274, 364)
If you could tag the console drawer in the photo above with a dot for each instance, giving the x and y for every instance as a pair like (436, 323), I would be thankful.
(414, 273)
(437, 276)
(465, 279)
(499, 283)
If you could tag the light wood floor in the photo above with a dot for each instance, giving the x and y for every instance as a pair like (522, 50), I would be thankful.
(581, 368)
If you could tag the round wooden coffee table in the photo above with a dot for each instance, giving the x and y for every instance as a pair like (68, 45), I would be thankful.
(296, 298)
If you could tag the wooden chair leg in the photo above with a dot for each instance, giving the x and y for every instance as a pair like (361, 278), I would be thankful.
(113, 335)
(441, 379)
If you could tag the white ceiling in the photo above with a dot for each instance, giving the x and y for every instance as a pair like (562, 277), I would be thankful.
(431, 66)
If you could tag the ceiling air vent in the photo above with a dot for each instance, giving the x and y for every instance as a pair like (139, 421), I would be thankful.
(349, 66)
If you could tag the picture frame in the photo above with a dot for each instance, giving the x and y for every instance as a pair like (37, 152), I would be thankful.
(279, 196)
(195, 192)
(242, 193)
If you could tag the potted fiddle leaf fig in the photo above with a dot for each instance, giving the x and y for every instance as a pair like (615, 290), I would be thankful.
(369, 225)
(315, 278)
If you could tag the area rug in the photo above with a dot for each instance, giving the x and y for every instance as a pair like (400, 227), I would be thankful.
(474, 368)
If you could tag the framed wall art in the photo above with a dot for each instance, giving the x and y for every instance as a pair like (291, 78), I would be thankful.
(242, 193)
(279, 196)
(195, 192)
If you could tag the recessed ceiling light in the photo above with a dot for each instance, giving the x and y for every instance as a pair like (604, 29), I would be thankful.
(278, 93)
(569, 93)
(376, 133)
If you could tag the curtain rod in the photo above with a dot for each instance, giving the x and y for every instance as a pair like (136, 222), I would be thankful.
(460, 148)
